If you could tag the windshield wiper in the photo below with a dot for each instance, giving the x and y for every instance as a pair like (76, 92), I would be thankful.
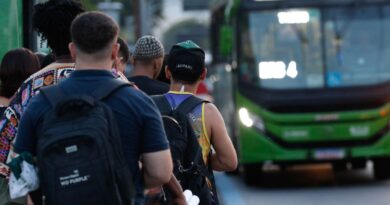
(341, 30)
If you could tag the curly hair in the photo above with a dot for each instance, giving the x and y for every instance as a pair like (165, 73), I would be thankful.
(52, 21)
(16, 66)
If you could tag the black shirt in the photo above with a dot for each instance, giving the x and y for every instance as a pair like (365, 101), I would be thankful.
(2, 109)
(149, 86)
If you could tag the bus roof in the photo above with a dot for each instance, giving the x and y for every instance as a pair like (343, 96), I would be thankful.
(215, 4)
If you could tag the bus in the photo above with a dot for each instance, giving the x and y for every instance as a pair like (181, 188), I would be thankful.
(15, 25)
(304, 81)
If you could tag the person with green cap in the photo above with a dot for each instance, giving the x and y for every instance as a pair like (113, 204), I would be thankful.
(186, 69)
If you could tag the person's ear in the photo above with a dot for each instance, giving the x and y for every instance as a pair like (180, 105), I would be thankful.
(72, 50)
(157, 64)
(115, 51)
(132, 60)
(204, 74)
(167, 73)
(160, 62)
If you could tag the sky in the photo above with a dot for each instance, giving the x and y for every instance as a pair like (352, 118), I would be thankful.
(173, 13)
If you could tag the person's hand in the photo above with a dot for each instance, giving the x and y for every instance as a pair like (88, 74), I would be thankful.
(179, 201)
(29, 201)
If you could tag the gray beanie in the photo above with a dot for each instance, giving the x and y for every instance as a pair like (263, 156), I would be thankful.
(148, 47)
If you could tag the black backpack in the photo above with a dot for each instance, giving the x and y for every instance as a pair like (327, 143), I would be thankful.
(80, 156)
(189, 167)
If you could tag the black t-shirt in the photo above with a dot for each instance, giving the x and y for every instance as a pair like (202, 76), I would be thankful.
(2, 109)
(149, 86)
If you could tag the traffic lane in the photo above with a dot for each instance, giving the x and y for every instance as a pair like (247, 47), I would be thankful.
(307, 186)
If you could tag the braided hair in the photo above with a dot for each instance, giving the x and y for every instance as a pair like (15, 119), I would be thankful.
(52, 21)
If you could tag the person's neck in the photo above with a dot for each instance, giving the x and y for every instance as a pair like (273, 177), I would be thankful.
(180, 87)
(64, 59)
(4, 101)
(98, 65)
(140, 70)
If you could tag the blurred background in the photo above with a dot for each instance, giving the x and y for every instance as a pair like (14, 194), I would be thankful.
(303, 87)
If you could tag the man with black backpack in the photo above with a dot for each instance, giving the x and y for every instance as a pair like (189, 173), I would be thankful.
(194, 126)
(89, 132)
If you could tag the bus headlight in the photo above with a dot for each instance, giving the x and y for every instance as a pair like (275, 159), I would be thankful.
(249, 120)
(245, 118)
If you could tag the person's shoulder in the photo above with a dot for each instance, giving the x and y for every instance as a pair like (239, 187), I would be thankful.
(50, 69)
(39, 99)
(210, 110)
(131, 93)
(162, 84)
(159, 86)
(38, 105)
(51, 74)
(136, 78)
(134, 99)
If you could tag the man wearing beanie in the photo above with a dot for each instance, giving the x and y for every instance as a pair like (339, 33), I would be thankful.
(147, 59)
(186, 69)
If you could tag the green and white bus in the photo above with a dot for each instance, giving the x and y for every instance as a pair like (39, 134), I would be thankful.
(304, 81)
(15, 25)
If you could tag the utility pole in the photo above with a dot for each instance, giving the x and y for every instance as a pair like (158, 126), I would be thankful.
(137, 18)
(111, 8)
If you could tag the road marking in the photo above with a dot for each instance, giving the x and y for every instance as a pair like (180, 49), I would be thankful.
(228, 193)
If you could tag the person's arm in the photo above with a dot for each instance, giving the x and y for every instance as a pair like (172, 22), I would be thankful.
(225, 157)
(26, 139)
(8, 129)
(157, 168)
(156, 156)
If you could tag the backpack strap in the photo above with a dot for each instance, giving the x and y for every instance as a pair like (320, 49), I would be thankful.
(185, 107)
(106, 89)
(53, 93)
(162, 103)
(189, 104)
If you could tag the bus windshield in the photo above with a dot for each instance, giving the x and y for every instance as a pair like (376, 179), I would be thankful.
(315, 48)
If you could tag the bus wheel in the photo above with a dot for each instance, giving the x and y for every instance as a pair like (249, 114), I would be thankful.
(359, 164)
(381, 168)
(339, 166)
(252, 174)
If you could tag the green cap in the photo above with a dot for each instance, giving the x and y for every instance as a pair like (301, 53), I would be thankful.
(188, 44)
(186, 61)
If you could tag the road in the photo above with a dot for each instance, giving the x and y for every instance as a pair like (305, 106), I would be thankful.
(316, 185)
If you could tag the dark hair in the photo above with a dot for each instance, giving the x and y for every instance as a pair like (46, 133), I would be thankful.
(49, 58)
(93, 31)
(124, 50)
(17, 65)
(52, 21)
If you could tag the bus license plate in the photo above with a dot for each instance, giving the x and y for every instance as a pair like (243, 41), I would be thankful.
(329, 154)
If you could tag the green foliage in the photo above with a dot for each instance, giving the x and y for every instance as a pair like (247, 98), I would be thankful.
(127, 6)
(89, 5)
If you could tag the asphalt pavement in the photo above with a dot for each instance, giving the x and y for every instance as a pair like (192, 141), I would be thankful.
(310, 185)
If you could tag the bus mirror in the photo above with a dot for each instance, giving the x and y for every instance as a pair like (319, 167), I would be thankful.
(226, 40)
